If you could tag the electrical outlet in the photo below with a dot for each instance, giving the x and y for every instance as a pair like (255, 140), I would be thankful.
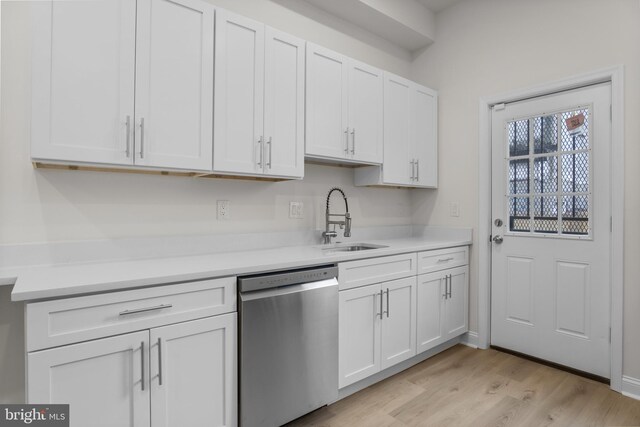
(223, 212)
(454, 207)
(296, 210)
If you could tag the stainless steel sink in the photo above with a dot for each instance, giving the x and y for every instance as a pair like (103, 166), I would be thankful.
(353, 247)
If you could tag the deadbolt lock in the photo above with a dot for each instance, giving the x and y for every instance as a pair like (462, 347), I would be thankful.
(498, 222)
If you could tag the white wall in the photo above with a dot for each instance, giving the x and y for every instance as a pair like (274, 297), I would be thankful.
(487, 47)
(46, 206)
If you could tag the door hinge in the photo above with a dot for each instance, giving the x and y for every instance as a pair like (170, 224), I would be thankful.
(490, 238)
(499, 107)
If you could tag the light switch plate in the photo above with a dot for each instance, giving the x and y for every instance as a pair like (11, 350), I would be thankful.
(454, 208)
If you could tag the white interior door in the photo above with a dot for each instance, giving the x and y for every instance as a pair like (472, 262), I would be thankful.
(174, 84)
(550, 257)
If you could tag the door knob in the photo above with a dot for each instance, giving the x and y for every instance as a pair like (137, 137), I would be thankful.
(497, 239)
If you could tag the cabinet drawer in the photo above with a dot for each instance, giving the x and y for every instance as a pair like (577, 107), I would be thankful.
(353, 274)
(64, 321)
(441, 259)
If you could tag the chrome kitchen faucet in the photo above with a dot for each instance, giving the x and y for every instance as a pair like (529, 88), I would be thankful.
(346, 224)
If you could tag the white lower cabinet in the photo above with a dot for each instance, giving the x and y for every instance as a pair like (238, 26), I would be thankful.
(384, 322)
(177, 375)
(377, 328)
(441, 306)
(163, 356)
(105, 381)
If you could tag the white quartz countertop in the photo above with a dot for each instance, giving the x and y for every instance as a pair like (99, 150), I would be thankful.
(75, 279)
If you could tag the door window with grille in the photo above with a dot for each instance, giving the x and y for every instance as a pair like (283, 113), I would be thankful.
(549, 174)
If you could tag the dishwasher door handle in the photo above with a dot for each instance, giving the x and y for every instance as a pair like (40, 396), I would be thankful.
(286, 290)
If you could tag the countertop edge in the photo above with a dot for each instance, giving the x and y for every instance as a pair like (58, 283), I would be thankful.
(29, 289)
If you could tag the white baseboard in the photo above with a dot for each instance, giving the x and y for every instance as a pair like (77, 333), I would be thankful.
(470, 339)
(631, 387)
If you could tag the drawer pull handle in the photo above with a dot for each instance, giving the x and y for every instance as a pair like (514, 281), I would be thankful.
(142, 310)
(445, 259)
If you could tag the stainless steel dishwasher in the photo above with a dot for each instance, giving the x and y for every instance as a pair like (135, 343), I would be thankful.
(288, 344)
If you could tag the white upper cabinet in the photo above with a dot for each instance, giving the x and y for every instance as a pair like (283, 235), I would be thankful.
(83, 73)
(410, 137)
(284, 104)
(344, 108)
(87, 56)
(259, 105)
(365, 112)
(239, 89)
(174, 84)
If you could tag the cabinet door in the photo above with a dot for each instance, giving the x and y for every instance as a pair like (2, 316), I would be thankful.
(239, 93)
(284, 104)
(193, 373)
(359, 343)
(365, 112)
(110, 373)
(430, 310)
(457, 307)
(398, 336)
(174, 84)
(397, 168)
(425, 136)
(83, 80)
(327, 101)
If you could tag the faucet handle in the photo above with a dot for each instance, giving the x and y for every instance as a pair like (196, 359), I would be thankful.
(347, 223)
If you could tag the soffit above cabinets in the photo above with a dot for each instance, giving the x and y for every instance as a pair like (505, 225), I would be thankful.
(436, 6)
(407, 24)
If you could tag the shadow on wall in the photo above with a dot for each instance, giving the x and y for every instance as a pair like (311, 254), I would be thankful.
(12, 369)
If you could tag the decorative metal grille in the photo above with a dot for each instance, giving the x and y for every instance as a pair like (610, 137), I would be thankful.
(549, 175)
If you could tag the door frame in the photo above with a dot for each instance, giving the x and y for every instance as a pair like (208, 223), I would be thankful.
(615, 76)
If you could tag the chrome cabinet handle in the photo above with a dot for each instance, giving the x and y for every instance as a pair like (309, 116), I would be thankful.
(142, 363)
(260, 140)
(417, 170)
(413, 169)
(346, 135)
(159, 361)
(270, 153)
(128, 151)
(142, 138)
(445, 259)
(387, 303)
(353, 141)
(381, 312)
(449, 276)
(142, 310)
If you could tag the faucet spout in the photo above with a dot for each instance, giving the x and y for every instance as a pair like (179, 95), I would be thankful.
(346, 223)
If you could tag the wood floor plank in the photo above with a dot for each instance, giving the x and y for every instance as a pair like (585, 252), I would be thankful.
(464, 387)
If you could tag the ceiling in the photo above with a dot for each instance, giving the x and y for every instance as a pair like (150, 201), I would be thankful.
(436, 6)
(406, 24)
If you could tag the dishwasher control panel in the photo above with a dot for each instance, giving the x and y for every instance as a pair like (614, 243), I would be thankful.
(286, 278)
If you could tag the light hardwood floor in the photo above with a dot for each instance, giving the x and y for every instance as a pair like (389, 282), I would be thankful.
(467, 387)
